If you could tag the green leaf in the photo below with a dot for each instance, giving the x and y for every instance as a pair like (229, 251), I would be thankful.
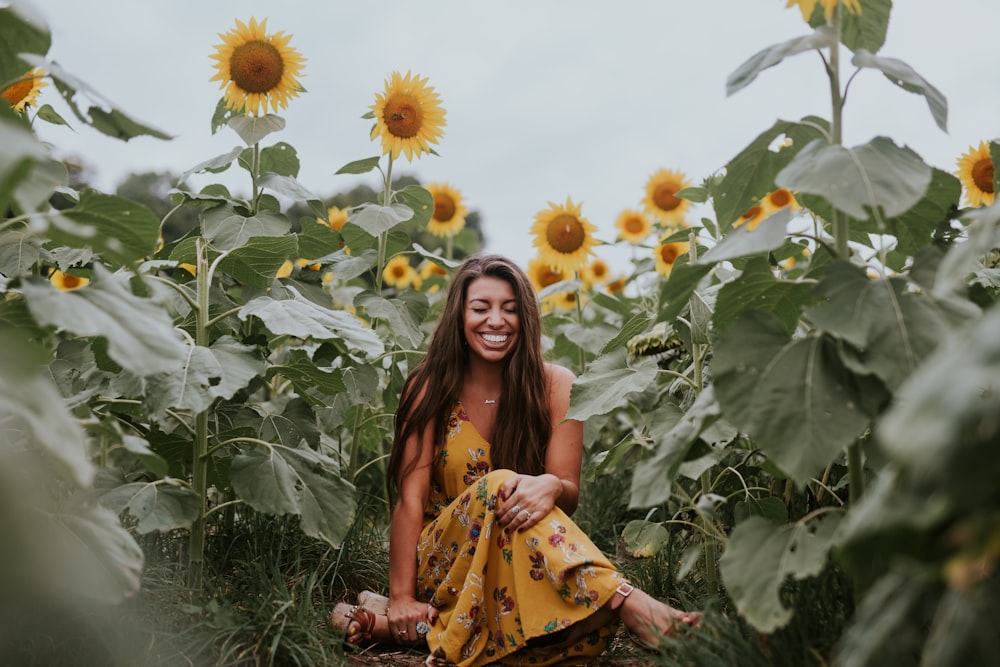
(18, 252)
(742, 241)
(678, 288)
(875, 175)
(744, 75)
(158, 506)
(644, 539)
(893, 327)
(758, 289)
(282, 480)
(121, 231)
(376, 219)
(607, 382)
(281, 159)
(907, 78)
(287, 186)
(21, 150)
(191, 387)
(306, 376)
(239, 364)
(761, 555)
(768, 507)
(360, 166)
(138, 447)
(318, 240)
(140, 333)
(420, 201)
(792, 396)
(257, 261)
(254, 128)
(866, 30)
(652, 482)
(49, 115)
(303, 319)
(227, 229)
(403, 325)
(214, 165)
(635, 325)
(22, 30)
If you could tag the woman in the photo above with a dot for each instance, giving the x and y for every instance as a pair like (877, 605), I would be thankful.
(485, 564)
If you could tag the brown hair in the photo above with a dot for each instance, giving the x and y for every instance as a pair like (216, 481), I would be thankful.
(523, 424)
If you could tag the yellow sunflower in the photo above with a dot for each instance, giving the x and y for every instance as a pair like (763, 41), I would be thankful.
(661, 199)
(67, 282)
(666, 254)
(285, 269)
(542, 275)
(398, 272)
(308, 264)
(751, 217)
(336, 217)
(24, 92)
(565, 300)
(449, 214)
(633, 226)
(779, 199)
(808, 6)
(563, 237)
(596, 273)
(975, 170)
(408, 116)
(615, 286)
(257, 69)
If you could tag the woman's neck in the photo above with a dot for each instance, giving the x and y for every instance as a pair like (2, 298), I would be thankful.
(483, 382)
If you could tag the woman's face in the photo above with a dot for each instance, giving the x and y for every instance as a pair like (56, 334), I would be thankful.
(491, 322)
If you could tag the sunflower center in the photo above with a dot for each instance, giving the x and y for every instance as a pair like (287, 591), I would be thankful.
(549, 277)
(20, 90)
(444, 208)
(256, 67)
(634, 225)
(668, 253)
(71, 282)
(781, 198)
(403, 116)
(982, 174)
(599, 270)
(665, 198)
(398, 272)
(565, 234)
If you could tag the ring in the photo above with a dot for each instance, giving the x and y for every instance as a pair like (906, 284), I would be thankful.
(423, 628)
(527, 512)
(401, 633)
(516, 509)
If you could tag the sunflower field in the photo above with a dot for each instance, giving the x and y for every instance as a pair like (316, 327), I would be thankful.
(792, 403)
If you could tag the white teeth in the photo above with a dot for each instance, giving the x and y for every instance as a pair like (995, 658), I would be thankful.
(494, 339)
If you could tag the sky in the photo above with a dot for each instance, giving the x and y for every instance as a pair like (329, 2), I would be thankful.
(545, 99)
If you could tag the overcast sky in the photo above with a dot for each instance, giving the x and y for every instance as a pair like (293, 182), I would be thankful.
(545, 99)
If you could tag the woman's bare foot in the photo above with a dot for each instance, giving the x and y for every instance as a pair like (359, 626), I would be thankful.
(649, 620)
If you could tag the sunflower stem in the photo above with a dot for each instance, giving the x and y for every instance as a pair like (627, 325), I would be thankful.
(579, 321)
(196, 555)
(254, 176)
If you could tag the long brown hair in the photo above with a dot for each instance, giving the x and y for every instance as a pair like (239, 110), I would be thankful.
(523, 424)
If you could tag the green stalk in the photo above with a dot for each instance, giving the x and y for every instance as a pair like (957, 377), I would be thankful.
(254, 173)
(579, 320)
(196, 555)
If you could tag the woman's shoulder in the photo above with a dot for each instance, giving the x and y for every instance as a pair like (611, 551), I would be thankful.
(558, 377)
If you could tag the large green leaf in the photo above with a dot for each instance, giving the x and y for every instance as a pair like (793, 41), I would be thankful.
(291, 188)
(239, 364)
(420, 201)
(876, 175)
(22, 30)
(157, 506)
(254, 128)
(256, 262)
(281, 159)
(907, 78)
(757, 289)
(191, 387)
(140, 333)
(607, 382)
(823, 37)
(21, 151)
(761, 555)
(893, 327)
(652, 481)
(403, 325)
(318, 240)
(676, 291)
(121, 231)
(301, 318)
(867, 29)
(227, 229)
(794, 397)
(283, 480)
(18, 252)
(215, 164)
(376, 219)
(962, 259)
(743, 241)
(750, 175)
(306, 376)
(644, 539)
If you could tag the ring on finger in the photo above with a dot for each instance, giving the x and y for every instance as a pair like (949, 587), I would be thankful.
(423, 628)
(516, 509)
(527, 513)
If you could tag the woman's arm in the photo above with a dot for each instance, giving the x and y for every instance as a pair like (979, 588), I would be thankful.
(559, 485)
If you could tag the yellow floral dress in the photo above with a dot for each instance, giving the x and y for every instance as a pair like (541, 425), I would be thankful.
(503, 598)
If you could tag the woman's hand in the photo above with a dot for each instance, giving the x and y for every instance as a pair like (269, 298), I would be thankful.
(405, 617)
(527, 499)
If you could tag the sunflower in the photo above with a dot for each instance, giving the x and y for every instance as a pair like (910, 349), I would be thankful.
(67, 282)
(751, 217)
(542, 275)
(808, 6)
(566, 300)
(335, 218)
(661, 199)
(449, 214)
(398, 272)
(615, 286)
(24, 92)
(308, 264)
(563, 237)
(285, 269)
(596, 273)
(408, 116)
(257, 69)
(975, 169)
(666, 254)
(633, 226)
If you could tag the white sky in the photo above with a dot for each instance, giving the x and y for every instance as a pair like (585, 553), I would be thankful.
(545, 99)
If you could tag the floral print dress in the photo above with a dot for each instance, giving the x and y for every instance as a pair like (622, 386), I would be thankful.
(503, 598)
